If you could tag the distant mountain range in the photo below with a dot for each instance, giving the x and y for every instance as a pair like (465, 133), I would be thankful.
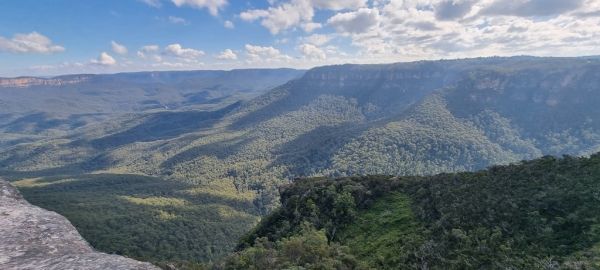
(412, 118)
(406, 118)
(32, 108)
(133, 92)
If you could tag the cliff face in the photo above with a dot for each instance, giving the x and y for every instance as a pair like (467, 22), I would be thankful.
(24, 82)
(34, 238)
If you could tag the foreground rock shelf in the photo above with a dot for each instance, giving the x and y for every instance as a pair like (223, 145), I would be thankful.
(34, 238)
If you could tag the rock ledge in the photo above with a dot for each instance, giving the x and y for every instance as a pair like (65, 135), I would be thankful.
(34, 238)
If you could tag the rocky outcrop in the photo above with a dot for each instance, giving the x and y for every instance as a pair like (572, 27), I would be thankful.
(34, 238)
(24, 82)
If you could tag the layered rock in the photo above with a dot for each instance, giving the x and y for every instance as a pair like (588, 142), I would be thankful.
(34, 238)
(24, 82)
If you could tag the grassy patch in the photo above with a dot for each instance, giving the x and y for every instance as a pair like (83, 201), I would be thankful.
(386, 234)
(224, 189)
(155, 201)
(39, 182)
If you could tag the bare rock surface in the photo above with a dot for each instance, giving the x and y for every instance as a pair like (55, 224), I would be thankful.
(24, 82)
(35, 238)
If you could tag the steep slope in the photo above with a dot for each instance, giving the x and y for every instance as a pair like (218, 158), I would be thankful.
(426, 139)
(553, 106)
(539, 214)
(487, 111)
(34, 238)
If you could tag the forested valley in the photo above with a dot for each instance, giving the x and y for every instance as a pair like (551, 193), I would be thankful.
(193, 175)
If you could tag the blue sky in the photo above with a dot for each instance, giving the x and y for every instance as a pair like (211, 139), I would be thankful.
(50, 37)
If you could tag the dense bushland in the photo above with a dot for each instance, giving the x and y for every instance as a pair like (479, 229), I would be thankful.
(540, 214)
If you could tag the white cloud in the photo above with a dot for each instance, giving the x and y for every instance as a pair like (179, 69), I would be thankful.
(156, 58)
(148, 49)
(260, 50)
(61, 66)
(265, 54)
(178, 51)
(333, 50)
(227, 54)
(213, 6)
(339, 4)
(403, 30)
(229, 24)
(254, 14)
(359, 21)
(311, 26)
(311, 51)
(118, 48)
(281, 17)
(169, 65)
(104, 59)
(289, 14)
(453, 9)
(386, 31)
(532, 7)
(29, 43)
(152, 3)
(178, 20)
(318, 39)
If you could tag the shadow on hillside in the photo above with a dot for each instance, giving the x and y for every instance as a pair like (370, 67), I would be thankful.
(313, 150)
(288, 102)
(12, 175)
(220, 150)
(164, 125)
(39, 122)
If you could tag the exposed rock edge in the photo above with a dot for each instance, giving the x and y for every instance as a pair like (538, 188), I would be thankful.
(35, 238)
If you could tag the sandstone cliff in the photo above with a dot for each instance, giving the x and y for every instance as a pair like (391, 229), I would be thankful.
(34, 238)
(24, 82)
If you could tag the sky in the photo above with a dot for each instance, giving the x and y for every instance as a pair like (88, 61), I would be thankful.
(52, 37)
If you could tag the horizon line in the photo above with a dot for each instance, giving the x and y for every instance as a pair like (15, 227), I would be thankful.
(276, 68)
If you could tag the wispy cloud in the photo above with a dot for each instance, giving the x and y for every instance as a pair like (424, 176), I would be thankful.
(213, 6)
(152, 3)
(178, 20)
(118, 48)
